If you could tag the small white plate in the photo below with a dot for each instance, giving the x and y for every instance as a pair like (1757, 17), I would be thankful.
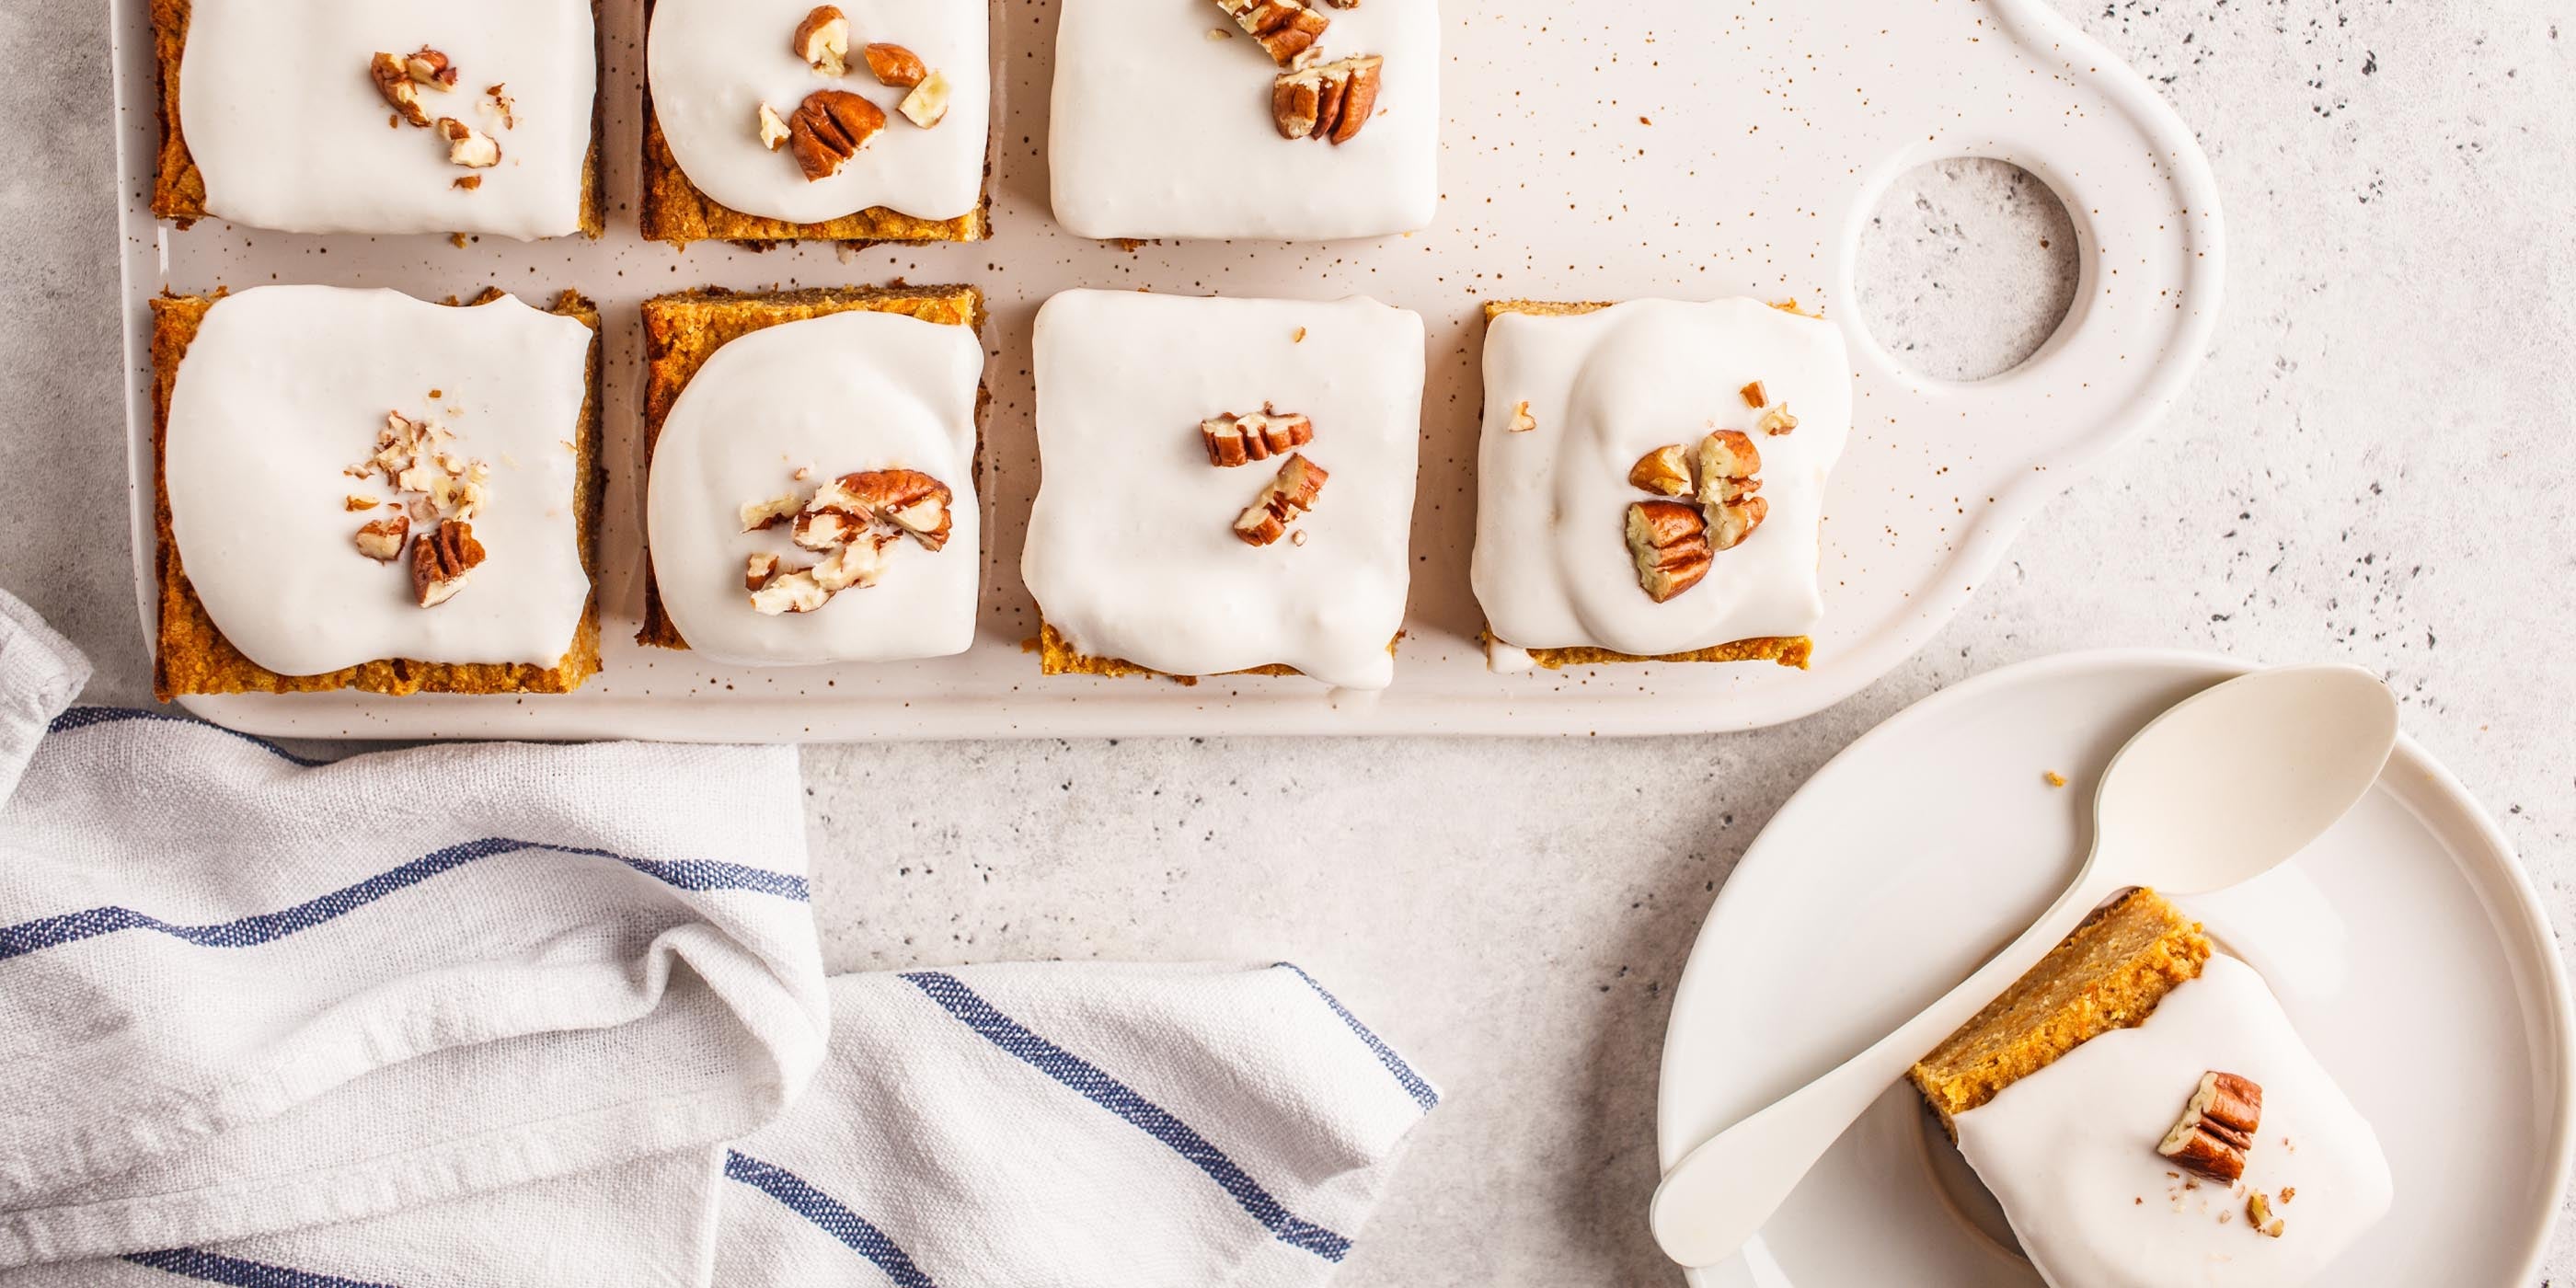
(2406, 945)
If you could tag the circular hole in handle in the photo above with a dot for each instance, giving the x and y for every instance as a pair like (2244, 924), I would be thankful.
(1966, 268)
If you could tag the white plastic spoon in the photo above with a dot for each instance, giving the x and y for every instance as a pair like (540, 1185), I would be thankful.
(2217, 791)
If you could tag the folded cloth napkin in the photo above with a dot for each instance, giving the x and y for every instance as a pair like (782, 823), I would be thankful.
(514, 1016)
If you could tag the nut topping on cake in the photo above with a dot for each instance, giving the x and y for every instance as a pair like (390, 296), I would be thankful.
(823, 41)
(2258, 1214)
(852, 521)
(467, 146)
(829, 128)
(757, 515)
(1236, 440)
(1664, 471)
(2217, 1128)
(383, 539)
(790, 592)
(1522, 421)
(858, 564)
(1731, 524)
(1327, 101)
(773, 128)
(393, 80)
(1756, 397)
(432, 68)
(927, 104)
(896, 66)
(440, 560)
(1288, 495)
(1669, 541)
(1287, 29)
(1730, 467)
(1778, 421)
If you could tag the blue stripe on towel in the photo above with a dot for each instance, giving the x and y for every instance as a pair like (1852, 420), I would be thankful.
(826, 1212)
(1414, 1084)
(88, 717)
(694, 875)
(239, 1273)
(1120, 1099)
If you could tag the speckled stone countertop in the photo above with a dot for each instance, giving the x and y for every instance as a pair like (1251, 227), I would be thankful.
(2372, 467)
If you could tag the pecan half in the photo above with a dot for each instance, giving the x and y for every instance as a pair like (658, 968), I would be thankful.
(1669, 541)
(439, 561)
(1327, 101)
(2217, 1127)
(829, 128)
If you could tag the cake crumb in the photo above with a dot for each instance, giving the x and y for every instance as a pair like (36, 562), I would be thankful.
(2288, 1192)
(1300, 337)
(457, 240)
(2054, 778)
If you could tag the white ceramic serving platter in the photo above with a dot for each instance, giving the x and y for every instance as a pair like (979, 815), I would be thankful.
(2406, 945)
(1615, 149)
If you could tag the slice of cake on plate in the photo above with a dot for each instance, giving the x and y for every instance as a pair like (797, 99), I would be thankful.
(417, 116)
(811, 487)
(779, 120)
(1295, 120)
(1226, 485)
(2147, 1116)
(360, 490)
(1651, 482)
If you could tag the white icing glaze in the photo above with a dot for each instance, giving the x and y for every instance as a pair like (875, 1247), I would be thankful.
(838, 394)
(1132, 552)
(278, 110)
(712, 63)
(1551, 567)
(2071, 1150)
(285, 387)
(1160, 131)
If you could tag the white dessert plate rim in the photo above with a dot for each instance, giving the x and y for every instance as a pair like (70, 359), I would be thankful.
(1749, 947)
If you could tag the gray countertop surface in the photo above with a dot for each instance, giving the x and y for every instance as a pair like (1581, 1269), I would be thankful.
(2374, 466)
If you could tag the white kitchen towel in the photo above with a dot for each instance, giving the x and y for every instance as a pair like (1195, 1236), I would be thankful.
(242, 992)
(508, 1017)
(1074, 1126)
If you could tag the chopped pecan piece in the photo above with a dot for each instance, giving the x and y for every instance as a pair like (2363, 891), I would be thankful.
(823, 41)
(393, 80)
(896, 66)
(927, 104)
(440, 560)
(1730, 467)
(829, 128)
(790, 592)
(1288, 495)
(858, 564)
(1669, 541)
(467, 146)
(758, 569)
(770, 513)
(382, 540)
(2217, 1127)
(1286, 29)
(1327, 101)
(1236, 440)
(1730, 524)
(1664, 471)
(773, 128)
(430, 67)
